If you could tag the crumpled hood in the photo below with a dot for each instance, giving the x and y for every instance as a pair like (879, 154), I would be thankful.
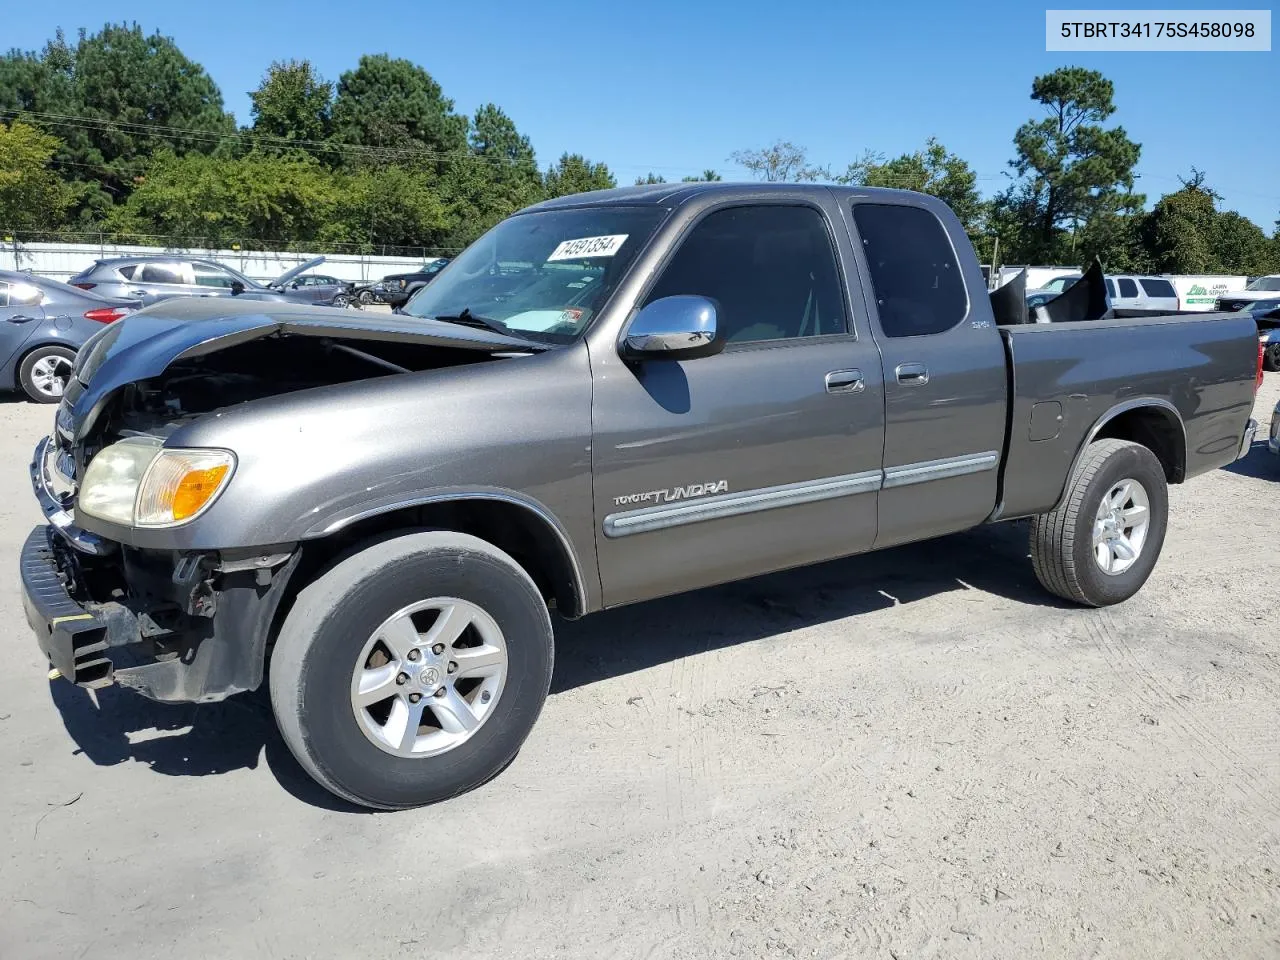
(144, 344)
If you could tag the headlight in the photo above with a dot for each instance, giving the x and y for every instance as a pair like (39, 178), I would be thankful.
(138, 482)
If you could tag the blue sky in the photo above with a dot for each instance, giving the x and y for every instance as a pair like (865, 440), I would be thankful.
(677, 87)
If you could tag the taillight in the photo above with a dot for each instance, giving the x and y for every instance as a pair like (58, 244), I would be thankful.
(105, 314)
(84, 286)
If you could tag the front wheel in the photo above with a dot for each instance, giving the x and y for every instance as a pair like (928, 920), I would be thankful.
(1099, 546)
(413, 670)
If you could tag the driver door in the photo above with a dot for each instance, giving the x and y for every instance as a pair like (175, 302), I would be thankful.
(764, 456)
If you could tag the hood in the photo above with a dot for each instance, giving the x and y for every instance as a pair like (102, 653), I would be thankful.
(1249, 296)
(144, 344)
(288, 275)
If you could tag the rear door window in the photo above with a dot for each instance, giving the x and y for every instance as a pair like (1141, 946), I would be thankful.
(1156, 287)
(914, 272)
(162, 273)
(1128, 288)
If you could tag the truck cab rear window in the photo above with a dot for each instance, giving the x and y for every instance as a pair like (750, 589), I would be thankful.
(914, 274)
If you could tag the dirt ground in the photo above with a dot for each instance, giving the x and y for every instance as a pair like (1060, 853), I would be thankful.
(910, 754)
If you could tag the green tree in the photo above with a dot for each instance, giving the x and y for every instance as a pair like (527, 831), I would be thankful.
(1187, 233)
(932, 170)
(395, 104)
(129, 95)
(1070, 167)
(32, 197)
(651, 178)
(496, 178)
(574, 173)
(494, 135)
(262, 199)
(707, 176)
(292, 103)
(781, 161)
(389, 207)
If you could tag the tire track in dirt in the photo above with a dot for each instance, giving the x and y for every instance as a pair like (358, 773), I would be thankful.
(1152, 691)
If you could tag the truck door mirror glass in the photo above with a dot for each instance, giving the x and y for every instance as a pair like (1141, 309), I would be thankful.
(674, 328)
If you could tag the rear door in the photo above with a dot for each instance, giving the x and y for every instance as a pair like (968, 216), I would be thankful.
(1161, 297)
(764, 456)
(943, 364)
(165, 278)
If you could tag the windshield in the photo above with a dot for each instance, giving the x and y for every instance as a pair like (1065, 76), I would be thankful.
(1265, 283)
(541, 275)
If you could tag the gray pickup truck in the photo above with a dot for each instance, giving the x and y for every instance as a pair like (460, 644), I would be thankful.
(608, 398)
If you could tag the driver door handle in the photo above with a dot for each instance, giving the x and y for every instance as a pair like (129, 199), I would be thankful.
(912, 374)
(845, 381)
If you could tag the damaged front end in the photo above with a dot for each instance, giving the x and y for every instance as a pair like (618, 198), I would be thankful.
(114, 602)
(175, 627)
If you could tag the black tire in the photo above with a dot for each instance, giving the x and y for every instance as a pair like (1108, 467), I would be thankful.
(1271, 358)
(1062, 550)
(33, 384)
(325, 632)
(366, 297)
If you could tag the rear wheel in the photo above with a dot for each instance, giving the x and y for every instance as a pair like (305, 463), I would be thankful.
(1271, 358)
(412, 670)
(1102, 542)
(45, 372)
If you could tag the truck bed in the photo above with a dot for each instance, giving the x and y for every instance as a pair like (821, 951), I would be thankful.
(1092, 371)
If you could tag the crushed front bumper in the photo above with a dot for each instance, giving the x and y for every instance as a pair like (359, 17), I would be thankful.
(74, 639)
(174, 626)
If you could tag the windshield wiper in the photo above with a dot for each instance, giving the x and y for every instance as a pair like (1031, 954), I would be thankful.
(468, 319)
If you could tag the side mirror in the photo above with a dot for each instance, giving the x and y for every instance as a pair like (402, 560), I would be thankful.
(237, 288)
(673, 328)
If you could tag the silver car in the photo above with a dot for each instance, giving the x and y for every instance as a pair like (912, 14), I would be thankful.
(159, 276)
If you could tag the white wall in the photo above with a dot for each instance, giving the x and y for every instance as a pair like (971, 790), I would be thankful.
(63, 260)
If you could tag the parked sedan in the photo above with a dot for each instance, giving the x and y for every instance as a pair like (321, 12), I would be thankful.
(322, 289)
(157, 276)
(42, 324)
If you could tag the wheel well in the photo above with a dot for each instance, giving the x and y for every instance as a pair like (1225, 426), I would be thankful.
(1156, 429)
(530, 540)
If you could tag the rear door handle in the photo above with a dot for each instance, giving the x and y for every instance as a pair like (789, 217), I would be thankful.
(19, 318)
(845, 381)
(912, 374)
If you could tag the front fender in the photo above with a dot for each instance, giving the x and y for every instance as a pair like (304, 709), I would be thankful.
(308, 464)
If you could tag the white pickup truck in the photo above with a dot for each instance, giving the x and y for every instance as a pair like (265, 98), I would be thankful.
(1264, 288)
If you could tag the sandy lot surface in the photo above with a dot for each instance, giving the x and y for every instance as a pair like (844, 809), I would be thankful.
(911, 754)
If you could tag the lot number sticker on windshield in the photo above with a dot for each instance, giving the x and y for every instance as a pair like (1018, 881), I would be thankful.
(588, 247)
